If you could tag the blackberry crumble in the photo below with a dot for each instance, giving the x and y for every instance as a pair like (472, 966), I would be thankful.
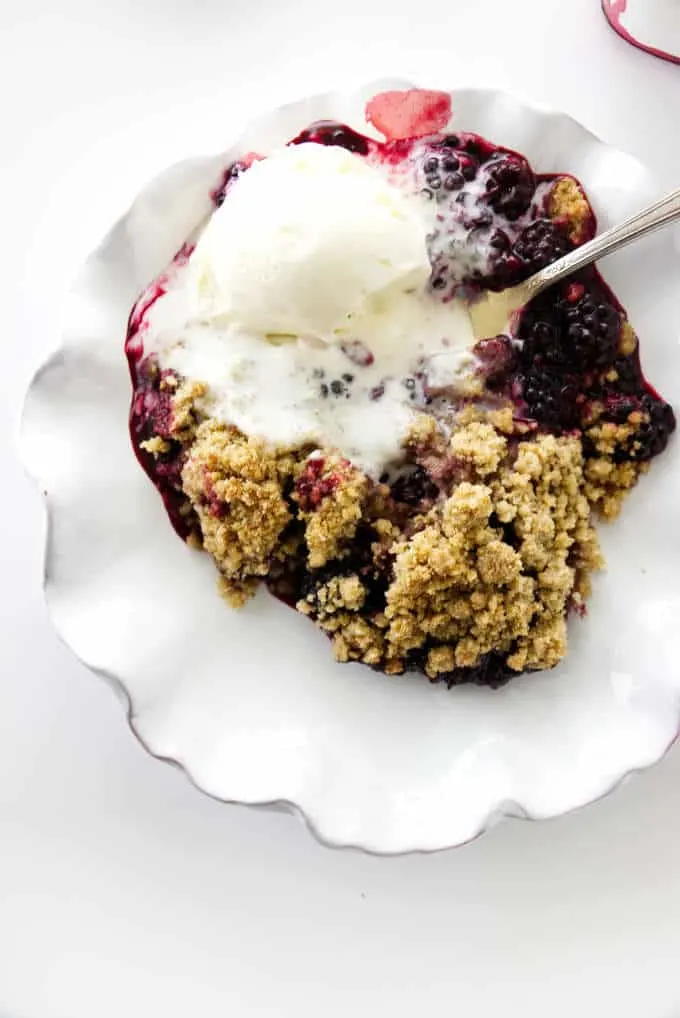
(433, 511)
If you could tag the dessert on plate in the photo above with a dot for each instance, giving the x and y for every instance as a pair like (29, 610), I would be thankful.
(313, 407)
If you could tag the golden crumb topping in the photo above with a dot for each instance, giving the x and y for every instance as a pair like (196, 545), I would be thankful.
(568, 202)
(331, 516)
(490, 568)
(234, 484)
(459, 582)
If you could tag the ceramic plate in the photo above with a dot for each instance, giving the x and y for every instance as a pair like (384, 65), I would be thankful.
(251, 704)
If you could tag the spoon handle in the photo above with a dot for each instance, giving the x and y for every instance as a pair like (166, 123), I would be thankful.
(662, 212)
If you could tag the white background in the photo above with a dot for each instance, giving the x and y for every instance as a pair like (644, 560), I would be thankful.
(122, 890)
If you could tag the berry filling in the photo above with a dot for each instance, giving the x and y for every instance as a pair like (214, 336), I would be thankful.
(159, 452)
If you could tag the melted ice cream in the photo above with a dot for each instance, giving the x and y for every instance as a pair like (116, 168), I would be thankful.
(304, 308)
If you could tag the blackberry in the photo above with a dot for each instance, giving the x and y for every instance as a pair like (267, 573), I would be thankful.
(415, 488)
(541, 339)
(330, 132)
(539, 244)
(652, 436)
(443, 168)
(442, 172)
(551, 399)
(510, 186)
(592, 330)
(577, 332)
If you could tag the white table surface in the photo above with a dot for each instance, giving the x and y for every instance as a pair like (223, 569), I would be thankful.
(122, 890)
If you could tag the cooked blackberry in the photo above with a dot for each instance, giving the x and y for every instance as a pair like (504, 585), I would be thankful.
(445, 166)
(541, 340)
(577, 331)
(552, 400)
(442, 172)
(592, 329)
(540, 244)
(510, 186)
(651, 438)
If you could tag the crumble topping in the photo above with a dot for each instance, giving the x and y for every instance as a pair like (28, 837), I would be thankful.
(234, 484)
(156, 446)
(331, 495)
(480, 446)
(186, 413)
(567, 202)
(461, 582)
(491, 567)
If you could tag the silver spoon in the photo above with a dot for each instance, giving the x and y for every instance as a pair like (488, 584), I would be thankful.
(491, 314)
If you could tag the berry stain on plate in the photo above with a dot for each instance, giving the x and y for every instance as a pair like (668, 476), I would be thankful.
(650, 25)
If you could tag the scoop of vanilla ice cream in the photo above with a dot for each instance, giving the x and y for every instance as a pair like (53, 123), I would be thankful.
(308, 240)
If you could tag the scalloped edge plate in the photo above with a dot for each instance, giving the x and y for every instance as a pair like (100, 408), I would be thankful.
(250, 704)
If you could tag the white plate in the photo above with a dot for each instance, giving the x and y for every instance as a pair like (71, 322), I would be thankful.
(251, 703)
